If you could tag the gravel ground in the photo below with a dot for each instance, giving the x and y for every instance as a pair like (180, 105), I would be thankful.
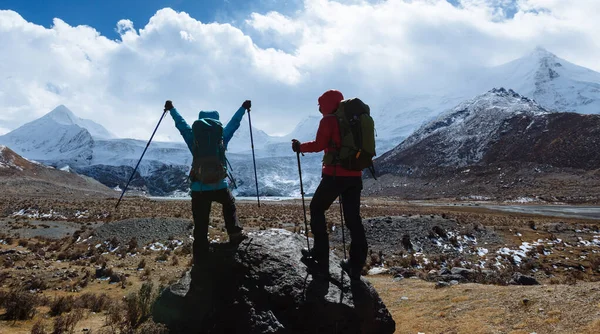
(35, 228)
(428, 234)
(145, 230)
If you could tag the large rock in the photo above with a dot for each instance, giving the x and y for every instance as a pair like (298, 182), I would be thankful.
(263, 287)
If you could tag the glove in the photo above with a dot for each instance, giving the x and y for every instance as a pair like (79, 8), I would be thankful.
(247, 105)
(168, 105)
(296, 146)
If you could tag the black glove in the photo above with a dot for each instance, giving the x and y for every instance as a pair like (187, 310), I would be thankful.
(296, 146)
(168, 105)
(247, 105)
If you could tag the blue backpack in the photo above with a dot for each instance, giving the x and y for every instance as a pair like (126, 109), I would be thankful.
(209, 164)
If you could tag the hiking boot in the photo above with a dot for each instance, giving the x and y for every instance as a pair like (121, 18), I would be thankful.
(352, 272)
(317, 266)
(237, 237)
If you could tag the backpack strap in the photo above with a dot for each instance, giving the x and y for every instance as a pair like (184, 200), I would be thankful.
(335, 150)
(230, 175)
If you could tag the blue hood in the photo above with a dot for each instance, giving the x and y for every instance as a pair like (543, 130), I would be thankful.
(209, 114)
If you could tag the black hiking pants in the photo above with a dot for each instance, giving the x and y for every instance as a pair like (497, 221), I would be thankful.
(201, 205)
(349, 189)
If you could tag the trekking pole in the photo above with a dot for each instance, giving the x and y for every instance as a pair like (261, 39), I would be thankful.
(253, 158)
(303, 204)
(138, 163)
(342, 219)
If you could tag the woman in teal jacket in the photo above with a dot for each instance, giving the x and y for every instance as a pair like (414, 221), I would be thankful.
(204, 194)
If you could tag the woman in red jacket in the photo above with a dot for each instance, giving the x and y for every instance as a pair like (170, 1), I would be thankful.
(336, 181)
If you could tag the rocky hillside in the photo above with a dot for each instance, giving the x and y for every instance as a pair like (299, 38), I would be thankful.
(499, 144)
(25, 177)
(463, 135)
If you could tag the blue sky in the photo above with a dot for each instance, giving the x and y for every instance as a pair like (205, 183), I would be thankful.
(103, 15)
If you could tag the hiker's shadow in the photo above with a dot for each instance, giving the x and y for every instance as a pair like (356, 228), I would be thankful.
(364, 300)
(317, 289)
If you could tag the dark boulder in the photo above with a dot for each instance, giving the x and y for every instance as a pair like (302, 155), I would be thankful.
(262, 287)
(520, 279)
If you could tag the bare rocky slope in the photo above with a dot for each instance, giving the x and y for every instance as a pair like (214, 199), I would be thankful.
(25, 177)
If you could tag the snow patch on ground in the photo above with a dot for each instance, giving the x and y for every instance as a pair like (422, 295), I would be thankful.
(377, 271)
(524, 200)
(159, 246)
(35, 214)
(482, 251)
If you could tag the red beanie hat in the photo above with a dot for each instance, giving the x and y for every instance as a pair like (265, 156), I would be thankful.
(329, 101)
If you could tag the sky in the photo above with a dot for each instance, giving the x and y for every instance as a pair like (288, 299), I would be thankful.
(116, 62)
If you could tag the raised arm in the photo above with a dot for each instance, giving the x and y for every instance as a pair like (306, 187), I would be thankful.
(234, 123)
(184, 129)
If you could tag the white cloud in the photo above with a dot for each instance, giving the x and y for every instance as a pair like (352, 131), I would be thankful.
(376, 50)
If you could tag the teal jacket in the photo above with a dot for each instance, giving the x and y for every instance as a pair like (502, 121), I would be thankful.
(188, 136)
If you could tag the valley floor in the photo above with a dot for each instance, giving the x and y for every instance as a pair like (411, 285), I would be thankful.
(58, 247)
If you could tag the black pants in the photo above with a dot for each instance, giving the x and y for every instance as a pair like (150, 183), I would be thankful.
(349, 188)
(201, 205)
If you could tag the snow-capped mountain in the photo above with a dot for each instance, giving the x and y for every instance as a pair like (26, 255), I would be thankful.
(499, 145)
(306, 130)
(241, 143)
(463, 135)
(55, 136)
(62, 115)
(552, 82)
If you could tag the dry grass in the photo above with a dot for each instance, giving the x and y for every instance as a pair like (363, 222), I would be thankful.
(569, 306)
(474, 308)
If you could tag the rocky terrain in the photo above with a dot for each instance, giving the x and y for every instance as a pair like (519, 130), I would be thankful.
(432, 265)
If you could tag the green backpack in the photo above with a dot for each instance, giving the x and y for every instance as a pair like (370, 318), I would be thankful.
(357, 131)
(209, 164)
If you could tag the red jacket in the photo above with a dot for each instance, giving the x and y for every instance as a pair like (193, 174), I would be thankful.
(328, 133)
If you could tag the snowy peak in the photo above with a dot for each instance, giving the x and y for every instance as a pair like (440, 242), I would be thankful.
(47, 139)
(553, 82)
(541, 53)
(461, 136)
(548, 64)
(62, 115)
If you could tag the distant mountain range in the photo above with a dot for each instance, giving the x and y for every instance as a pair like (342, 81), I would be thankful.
(453, 129)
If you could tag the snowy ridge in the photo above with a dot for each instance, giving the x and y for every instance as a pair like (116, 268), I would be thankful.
(463, 134)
